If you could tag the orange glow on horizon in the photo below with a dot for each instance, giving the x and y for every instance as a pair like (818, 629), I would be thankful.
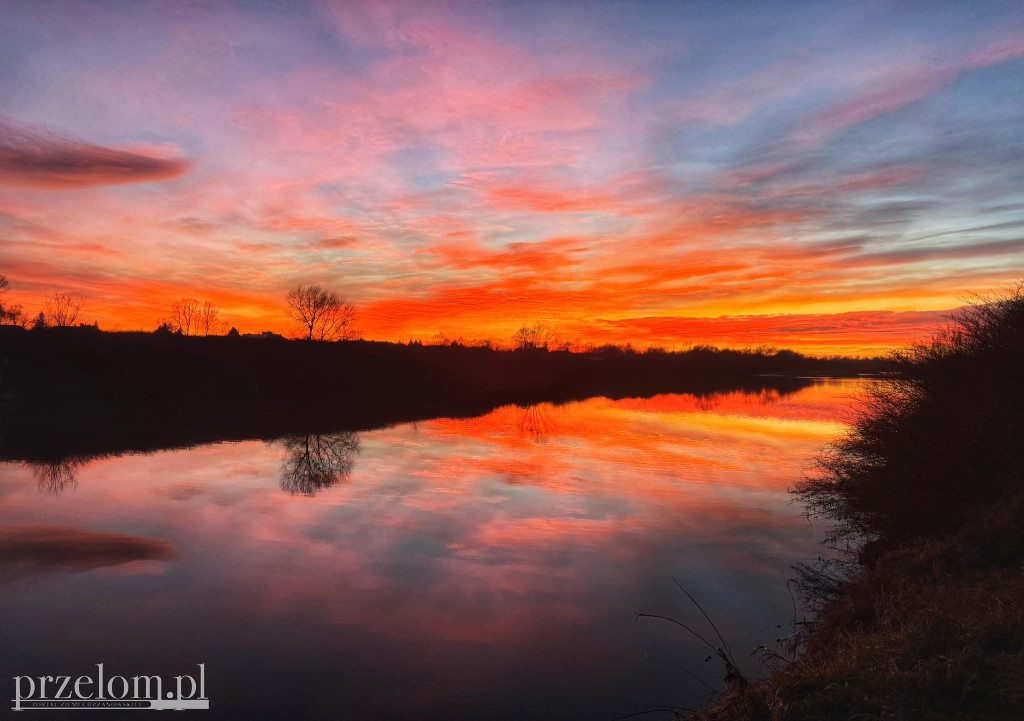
(461, 174)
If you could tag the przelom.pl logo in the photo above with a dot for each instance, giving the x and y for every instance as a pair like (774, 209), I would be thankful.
(115, 692)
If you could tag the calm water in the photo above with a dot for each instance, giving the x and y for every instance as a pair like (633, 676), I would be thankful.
(487, 568)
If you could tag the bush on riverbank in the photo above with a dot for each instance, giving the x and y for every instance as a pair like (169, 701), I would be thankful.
(941, 436)
(928, 623)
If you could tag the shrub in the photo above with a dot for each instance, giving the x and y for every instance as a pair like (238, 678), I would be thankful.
(942, 434)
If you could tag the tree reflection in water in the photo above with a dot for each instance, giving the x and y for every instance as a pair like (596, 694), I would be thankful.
(317, 460)
(536, 423)
(55, 477)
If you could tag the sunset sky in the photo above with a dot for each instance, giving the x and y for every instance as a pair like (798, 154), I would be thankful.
(823, 176)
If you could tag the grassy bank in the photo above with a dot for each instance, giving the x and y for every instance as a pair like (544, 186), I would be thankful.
(922, 598)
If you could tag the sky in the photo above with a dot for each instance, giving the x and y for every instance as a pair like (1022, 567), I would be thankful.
(831, 177)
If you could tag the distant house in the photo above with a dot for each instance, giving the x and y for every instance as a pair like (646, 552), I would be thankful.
(264, 334)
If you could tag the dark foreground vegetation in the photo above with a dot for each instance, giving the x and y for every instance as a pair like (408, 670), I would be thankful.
(921, 599)
(78, 391)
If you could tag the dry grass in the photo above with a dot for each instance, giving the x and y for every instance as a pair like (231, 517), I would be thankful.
(933, 631)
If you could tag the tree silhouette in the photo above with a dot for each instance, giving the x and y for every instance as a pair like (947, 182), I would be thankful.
(62, 309)
(11, 314)
(208, 321)
(321, 314)
(185, 313)
(540, 336)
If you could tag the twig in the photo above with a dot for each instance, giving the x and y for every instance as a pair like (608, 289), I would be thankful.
(681, 625)
(697, 678)
(693, 600)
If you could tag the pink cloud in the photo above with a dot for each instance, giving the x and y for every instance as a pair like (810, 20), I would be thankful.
(904, 85)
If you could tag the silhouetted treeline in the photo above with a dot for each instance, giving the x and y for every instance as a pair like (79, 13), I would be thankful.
(73, 391)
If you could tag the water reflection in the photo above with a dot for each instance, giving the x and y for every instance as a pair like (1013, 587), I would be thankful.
(55, 477)
(317, 460)
(27, 551)
(463, 568)
(536, 421)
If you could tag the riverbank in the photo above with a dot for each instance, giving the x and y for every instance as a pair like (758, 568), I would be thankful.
(933, 630)
(922, 608)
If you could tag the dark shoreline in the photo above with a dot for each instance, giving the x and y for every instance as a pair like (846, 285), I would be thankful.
(77, 391)
(919, 587)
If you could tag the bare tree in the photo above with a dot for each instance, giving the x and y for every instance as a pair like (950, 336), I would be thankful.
(208, 321)
(540, 336)
(62, 309)
(185, 314)
(11, 314)
(321, 314)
